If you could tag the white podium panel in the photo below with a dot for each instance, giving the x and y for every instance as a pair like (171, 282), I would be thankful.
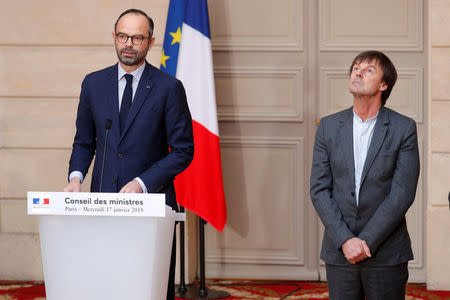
(105, 257)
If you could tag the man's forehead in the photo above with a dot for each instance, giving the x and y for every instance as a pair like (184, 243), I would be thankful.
(132, 19)
(370, 62)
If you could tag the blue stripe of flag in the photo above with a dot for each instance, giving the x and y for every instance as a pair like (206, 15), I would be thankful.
(175, 17)
(196, 16)
(192, 12)
(35, 200)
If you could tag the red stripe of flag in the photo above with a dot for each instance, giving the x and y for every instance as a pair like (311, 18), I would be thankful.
(200, 187)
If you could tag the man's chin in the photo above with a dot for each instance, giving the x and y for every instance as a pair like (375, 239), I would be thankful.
(355, 89)
(130, 62)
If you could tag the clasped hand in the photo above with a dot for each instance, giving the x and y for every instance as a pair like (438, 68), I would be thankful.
(355, 250)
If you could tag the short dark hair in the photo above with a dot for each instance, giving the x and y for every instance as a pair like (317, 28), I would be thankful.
(389, 71)
(151, 25)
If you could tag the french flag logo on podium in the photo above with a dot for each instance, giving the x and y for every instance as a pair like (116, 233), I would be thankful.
(41, 202)
(36, 202)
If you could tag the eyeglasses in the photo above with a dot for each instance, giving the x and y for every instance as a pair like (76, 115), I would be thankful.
(135, 39)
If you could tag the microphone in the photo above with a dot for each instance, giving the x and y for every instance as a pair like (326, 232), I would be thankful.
(107, 127)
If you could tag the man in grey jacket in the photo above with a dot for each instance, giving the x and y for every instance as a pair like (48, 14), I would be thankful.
(363, 180)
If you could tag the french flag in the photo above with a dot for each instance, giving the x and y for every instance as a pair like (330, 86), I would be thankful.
(187, 54)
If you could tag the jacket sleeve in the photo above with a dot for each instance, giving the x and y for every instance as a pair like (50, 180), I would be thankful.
(403, 190)
(179, 132)
(84, 144)
(321, 186)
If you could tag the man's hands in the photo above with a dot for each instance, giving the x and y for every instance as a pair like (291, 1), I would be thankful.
(73, 186)
(131, 187)
(355, 250)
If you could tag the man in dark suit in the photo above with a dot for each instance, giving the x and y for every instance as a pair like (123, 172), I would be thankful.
(363, 180)
(150, 137)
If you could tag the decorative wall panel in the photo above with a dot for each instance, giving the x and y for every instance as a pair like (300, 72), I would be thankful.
(366, 24)
(263, 180)
(263, 94)
(257, 25)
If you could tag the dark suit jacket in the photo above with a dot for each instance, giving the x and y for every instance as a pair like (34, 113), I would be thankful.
(388, 187)
(159, 118)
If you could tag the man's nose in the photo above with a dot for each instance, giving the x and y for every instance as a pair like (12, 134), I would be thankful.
(129, 42)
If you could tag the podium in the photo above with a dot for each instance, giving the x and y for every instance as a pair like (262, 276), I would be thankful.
(104, 246)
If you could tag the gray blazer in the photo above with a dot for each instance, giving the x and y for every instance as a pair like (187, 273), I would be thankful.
(388, 187)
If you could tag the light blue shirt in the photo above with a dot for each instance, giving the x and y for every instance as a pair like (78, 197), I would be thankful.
(362, 135)
(121, 85)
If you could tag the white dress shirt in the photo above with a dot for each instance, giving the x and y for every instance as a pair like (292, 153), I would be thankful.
(122, 82)
(362, 135)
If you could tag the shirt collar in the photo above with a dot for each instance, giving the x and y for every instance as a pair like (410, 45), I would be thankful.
(136, 73)
(355, 116)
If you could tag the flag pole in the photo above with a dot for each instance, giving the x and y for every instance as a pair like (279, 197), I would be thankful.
(201, 231)
(202, 292)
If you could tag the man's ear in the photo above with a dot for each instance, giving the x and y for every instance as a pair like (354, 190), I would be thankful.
(383, 86)
(151, 43)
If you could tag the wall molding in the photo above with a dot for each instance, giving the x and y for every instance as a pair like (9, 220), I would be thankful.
(263, 43)
(295, 256)
(412, 40)
(294, 113)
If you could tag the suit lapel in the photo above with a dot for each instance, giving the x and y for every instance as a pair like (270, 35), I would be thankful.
(142, 92)
(113, 102)
(379, 133)
(347, 142)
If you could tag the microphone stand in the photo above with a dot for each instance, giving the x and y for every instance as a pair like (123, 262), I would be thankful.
(107, 127)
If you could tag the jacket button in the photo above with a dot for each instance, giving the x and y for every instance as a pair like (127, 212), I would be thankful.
(353, 194)
(120, 155)
(114, 180)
